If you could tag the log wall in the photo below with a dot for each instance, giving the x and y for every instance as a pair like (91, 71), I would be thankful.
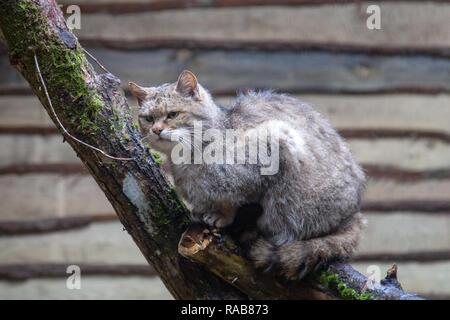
(387, 91)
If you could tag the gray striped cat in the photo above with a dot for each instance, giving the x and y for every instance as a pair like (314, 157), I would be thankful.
(310, 206)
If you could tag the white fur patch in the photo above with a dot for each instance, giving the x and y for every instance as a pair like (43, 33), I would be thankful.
(292, 138)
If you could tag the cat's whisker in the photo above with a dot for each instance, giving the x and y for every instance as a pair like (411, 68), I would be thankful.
(191, 144)
(290, 207)
(186, 143)
(145, 137)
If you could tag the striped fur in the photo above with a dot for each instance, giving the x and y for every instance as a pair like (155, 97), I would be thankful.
(296, 259)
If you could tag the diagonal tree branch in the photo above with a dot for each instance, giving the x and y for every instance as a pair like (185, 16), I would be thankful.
(93, 109)
(340, 281)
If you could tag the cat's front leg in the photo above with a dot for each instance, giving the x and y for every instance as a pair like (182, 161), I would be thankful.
(222, 215)
(215, 220)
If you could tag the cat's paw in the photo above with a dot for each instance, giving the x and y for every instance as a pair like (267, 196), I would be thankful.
(216, 220)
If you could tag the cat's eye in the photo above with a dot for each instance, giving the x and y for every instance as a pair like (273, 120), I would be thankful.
(172, 115)
(149, 119)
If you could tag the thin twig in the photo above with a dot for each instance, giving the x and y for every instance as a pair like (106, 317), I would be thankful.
(61, 125)
(96, 61)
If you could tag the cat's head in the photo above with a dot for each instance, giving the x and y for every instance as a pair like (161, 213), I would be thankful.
(167, 113)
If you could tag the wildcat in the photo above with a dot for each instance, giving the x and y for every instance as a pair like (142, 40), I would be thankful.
(310, 207)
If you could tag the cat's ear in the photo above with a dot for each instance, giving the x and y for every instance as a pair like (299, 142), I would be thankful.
(187, 84)
(137, 91)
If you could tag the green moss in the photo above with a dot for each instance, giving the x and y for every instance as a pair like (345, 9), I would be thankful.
(68, 76)
(64, 69)
(329, 280)
(162, 218)
(175, 202)
(366, 296)
(333, 282)
(118, 119)
(85, 113)
(157, 158)
(169, 221)
(163, 221)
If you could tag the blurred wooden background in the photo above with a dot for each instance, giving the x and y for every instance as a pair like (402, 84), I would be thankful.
(387, 91)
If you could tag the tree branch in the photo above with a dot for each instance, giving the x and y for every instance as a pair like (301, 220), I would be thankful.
(93, 109)
(220, 255)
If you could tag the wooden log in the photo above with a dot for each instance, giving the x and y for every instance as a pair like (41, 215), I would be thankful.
(422, 190)
(138, 6)
(59, 168)
(339, 24)
(430, 279)
(21, 272)
(351, 133)
(254, 45)
(424, 256)
(35, 149)
(55, 192)
(42, 131)
(98, 243)
(402, 112)
(23, 111)
(8, 228)
(422, 277)
(293, 72)
(408, 205)
(92, 288)
(222, 257)
(128, 186)
(93, 108)
(423, 238)
(409, 154)
(420, 232)
(51, 196)
(400, 175)
(180, 4)
(376, 172)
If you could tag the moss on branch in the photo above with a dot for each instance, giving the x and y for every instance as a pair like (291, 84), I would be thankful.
(63, 64)
(93, 108)
(222, 256)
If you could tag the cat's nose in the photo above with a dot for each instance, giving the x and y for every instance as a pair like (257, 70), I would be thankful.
(157, 130)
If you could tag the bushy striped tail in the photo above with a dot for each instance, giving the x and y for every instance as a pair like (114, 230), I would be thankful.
(296, 259)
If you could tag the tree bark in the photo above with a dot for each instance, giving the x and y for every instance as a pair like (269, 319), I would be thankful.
(92, 107)
(222, 256)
